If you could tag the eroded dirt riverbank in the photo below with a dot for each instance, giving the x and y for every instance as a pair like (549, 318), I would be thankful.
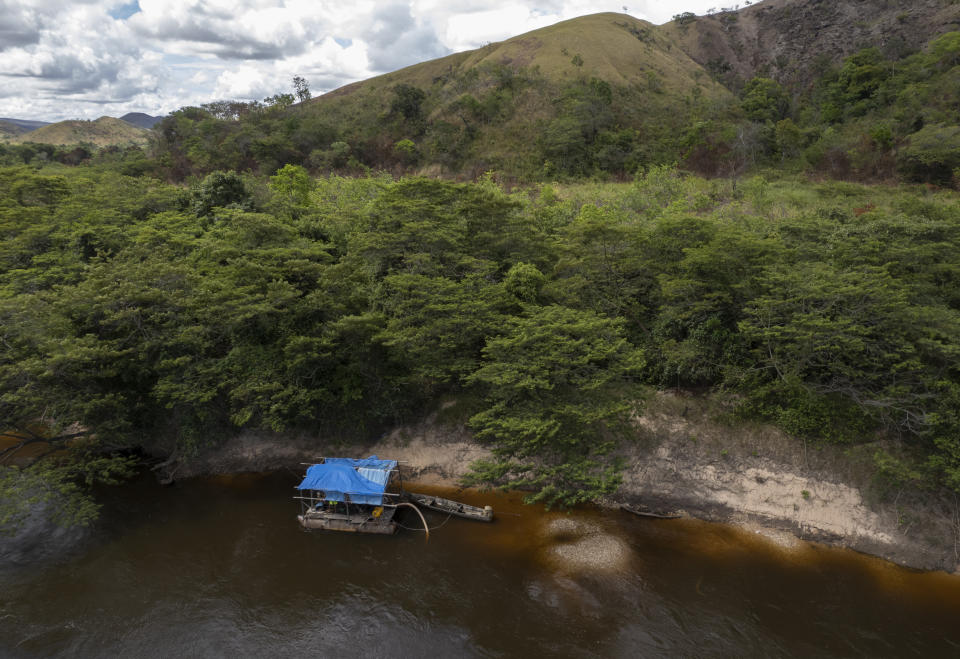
(753, 477)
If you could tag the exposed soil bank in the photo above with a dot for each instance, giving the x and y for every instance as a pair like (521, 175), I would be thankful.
(750, 476)
(756, 477)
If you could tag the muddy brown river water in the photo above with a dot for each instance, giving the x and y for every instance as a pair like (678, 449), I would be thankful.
(217, 567)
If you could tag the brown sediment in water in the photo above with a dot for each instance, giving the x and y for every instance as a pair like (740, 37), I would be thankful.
(563, 542)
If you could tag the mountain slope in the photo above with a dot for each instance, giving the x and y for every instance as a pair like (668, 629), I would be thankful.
(25, 124)
(9, 130)
(608, 94)
(793, 40)
(617, 48)
(105, 131)
(515, 104)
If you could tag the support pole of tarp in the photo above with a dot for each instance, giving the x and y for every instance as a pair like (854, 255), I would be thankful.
(422, 519)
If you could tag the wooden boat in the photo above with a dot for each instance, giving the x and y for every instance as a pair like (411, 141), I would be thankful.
(642, 512)
(442, 505)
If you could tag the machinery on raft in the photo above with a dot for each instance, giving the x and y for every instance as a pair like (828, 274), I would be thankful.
(363, 496)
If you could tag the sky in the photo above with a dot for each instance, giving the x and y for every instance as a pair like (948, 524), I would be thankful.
(82, 59)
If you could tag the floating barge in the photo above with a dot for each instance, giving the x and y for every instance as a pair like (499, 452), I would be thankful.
(347, 494)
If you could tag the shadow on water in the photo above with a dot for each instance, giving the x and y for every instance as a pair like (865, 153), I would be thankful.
(218, 567)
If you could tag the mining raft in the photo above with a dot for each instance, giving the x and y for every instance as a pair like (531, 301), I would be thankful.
(363, 496)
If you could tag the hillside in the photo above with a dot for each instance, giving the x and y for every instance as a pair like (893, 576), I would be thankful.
(105, 131)
(854, 90)
(9, 130)
(487, 104)
(605, 93)
(794, 40)
(617, 48)
(25, 124)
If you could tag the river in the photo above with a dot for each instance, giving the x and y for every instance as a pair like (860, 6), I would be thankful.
(218, 567)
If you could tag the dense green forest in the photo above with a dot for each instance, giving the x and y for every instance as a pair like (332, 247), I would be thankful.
(259, 267)
(140, 313)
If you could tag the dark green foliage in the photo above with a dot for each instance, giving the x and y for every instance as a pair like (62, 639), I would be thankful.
(220, 190)
(854, 334)
(580, 137)
(557, 392)
(932, 154)
(524, 282)
(855, 90)
(765, 100)
(408, 103)
(60, 484)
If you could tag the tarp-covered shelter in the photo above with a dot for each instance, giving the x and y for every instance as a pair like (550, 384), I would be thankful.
(364, 480)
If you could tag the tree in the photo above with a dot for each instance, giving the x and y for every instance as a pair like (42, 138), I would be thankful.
(220, 190)
(765, 99)
(301, 89)
(291, 187)
(855, 335)
(557, 388)
(408, 102)
(407, 152)
(946, 48)
(789, 138)
(932, 154)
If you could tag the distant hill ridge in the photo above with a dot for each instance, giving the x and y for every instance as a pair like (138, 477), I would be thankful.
(25, 125)
(140, 119)
(102, 132)
(105, 131)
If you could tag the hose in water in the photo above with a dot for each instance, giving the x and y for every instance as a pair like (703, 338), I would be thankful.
(422, 518)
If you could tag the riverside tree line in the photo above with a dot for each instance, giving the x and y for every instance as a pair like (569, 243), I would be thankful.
(140, 315)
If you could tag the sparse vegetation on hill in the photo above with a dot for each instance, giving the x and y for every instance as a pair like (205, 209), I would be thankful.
(105, 131)
(9, 130)
(605, 95)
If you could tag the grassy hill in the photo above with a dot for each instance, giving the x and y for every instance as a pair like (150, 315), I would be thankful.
(830, 88)
(9, 130)
(614, 47)
(484, 108)
(105, 131)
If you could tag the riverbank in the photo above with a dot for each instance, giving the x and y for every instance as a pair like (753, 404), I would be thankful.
(751, 476)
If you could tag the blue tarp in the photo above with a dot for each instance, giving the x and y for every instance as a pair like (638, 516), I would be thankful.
(373, 462)
(364, 480)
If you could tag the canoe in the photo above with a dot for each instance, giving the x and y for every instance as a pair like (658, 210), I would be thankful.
(640, 512)
(442, 505)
